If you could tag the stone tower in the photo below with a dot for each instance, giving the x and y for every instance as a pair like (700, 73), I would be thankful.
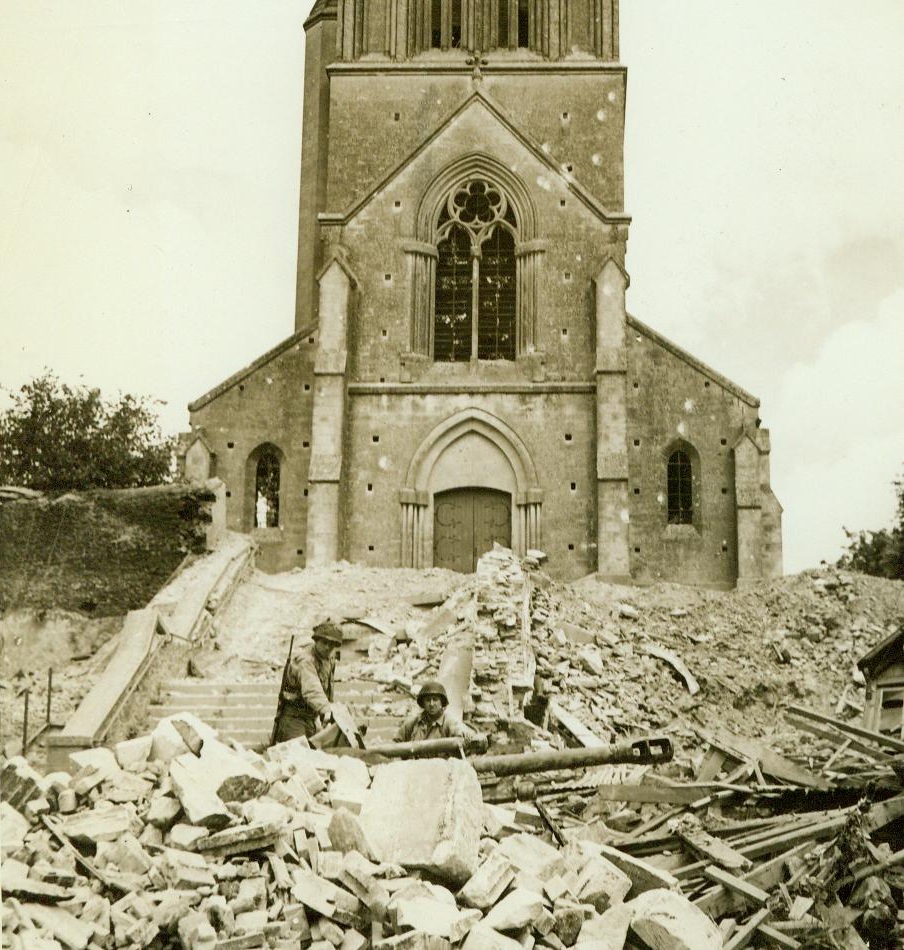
(463, 369)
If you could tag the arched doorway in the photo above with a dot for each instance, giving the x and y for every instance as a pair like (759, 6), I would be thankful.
(470, 452)
(466, 523)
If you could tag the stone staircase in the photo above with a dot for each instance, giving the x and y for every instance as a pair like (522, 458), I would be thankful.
(245, 711)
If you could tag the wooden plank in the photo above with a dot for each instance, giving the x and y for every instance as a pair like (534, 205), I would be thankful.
(879, 738)
(720, 901)
(884, 813)
(573, 725)
(692, 833)
(711, 765)
(744, 934)
(778, 938)
(676, 794)
(836, 737)
(746, 889)
(743, 748)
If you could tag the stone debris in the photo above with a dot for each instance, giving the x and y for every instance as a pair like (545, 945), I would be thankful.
(282, 868)
(183, 838)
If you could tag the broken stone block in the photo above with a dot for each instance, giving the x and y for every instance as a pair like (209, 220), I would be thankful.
(265, 811)
(482, 937)
(250, 921)
(172, 906)
(530, 854)
(488, 883)
(240, 840)
(346, 834)
(313, 891)
(166, 741)
(163, 811)
(36, 807)
(516, 910)
(352, 940)
(184, 870)
(186, 836)
(330, 932)
(413, 940)
(132, 752)
(252, 895)
(196, 933)
(601, 884)
(358, 875)
(125, 853)
(607, 931)
(668, 921)
(426, 814)
(101, 824)
(219, 913)
(643, 876)
(20, 783)
(200, 802)
(126, 787)
(97, 761)
(427, 914)
(569, 919)
(70, 931)
(556, 887)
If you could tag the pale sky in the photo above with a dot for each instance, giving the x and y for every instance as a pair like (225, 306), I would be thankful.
(149, 186)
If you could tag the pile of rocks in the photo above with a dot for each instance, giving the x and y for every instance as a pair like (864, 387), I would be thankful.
(178, 839)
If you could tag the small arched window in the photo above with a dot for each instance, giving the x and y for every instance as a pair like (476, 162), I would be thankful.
(475, 306)
(266, 490)
(679, 477)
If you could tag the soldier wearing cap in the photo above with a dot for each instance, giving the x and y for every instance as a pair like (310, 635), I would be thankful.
(308, 687)
(434, 721)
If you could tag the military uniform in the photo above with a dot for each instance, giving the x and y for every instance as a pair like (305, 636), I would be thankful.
(418, 726)
(308, 693)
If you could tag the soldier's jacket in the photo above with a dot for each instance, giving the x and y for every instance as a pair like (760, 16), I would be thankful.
(309, 682)
(417, 727)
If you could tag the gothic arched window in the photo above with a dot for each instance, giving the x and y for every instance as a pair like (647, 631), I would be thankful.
(266, 490)
(475, 305)
(680, 488)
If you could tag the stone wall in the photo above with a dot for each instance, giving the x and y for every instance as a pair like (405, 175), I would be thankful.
(269, 402)
(675, 402)
(100, 552)
(557, 429)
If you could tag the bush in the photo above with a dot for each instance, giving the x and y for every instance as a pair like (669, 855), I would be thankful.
(58, 438)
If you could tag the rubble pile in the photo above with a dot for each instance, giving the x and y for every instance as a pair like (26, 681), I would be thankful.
(176, 839)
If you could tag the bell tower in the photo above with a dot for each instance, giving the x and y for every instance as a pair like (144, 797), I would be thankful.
(381, 75)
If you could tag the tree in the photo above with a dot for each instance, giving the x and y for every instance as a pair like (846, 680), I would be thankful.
(880, 553)
(56, 437)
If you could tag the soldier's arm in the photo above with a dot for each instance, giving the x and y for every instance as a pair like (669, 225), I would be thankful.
(453, 727)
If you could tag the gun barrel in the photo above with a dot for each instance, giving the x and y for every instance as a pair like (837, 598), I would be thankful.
(638, 751)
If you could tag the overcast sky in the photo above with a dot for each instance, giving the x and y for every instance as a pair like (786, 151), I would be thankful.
(149, 186)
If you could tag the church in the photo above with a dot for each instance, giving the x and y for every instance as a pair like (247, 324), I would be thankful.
(463, 369)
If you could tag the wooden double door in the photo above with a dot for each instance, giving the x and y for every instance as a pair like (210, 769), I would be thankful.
(466, 522)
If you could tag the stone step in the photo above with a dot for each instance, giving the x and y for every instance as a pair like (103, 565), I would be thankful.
(199, 687)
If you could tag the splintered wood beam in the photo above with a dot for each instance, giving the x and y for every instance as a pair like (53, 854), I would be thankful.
(879, 738)
(746, 889)
(745, 933)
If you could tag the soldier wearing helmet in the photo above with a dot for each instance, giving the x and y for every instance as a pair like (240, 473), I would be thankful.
(434, 721)
(307, 694)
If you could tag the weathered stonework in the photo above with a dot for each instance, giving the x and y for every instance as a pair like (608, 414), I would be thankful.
(566, 441)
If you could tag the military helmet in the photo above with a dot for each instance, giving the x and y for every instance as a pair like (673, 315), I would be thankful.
(329, 631)
(432, 688)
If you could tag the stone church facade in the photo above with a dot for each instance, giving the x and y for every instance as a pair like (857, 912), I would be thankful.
(463, 369)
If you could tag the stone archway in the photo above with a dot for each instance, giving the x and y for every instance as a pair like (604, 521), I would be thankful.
(476, 450)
